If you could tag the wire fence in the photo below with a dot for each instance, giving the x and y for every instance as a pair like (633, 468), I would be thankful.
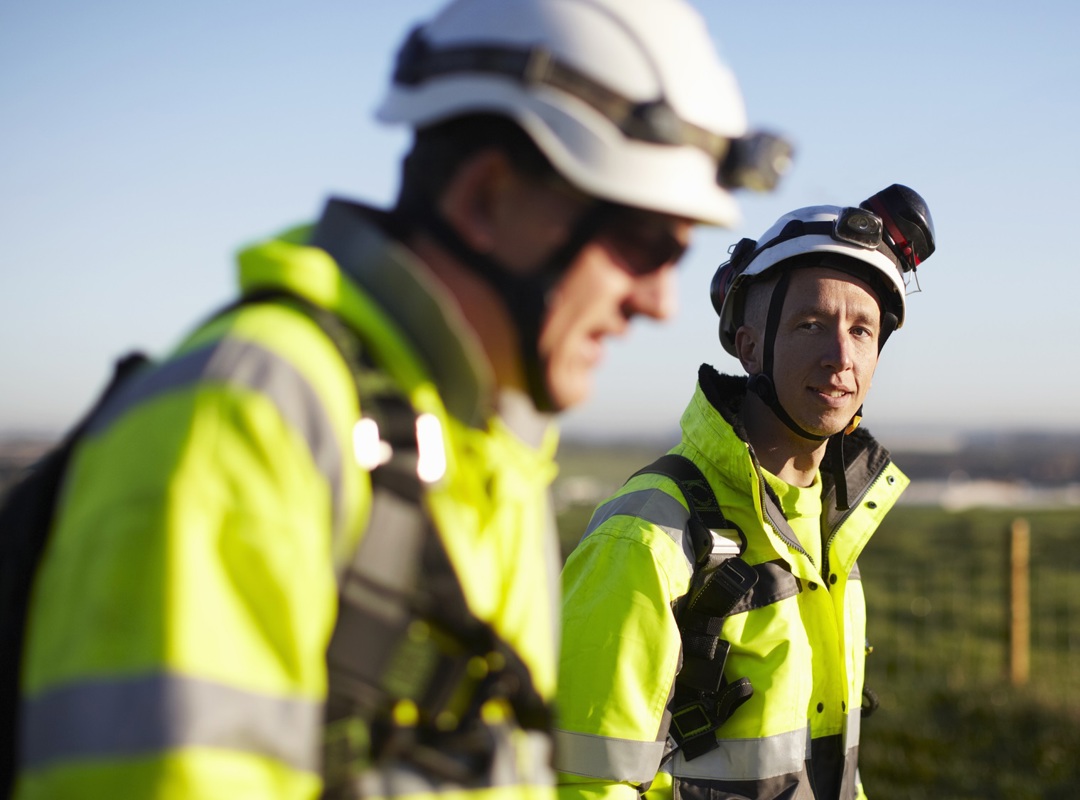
(949, 606)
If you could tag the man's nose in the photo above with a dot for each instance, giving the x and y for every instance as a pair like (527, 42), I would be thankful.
(655, 294)
(838, 352)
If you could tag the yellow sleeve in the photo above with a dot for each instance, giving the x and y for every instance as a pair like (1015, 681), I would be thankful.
(620, 653)
(180, 616)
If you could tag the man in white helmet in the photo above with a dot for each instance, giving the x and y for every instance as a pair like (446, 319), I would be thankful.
(311, 550)
(713, 615)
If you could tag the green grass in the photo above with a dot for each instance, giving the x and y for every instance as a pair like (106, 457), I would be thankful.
(950, 724)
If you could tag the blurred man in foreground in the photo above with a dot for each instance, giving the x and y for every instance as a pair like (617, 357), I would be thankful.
(310, 551)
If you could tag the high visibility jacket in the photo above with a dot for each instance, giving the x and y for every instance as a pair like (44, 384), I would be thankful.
(180, 620)
(799, 636)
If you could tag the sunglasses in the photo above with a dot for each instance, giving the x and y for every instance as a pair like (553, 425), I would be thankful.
(644, 241)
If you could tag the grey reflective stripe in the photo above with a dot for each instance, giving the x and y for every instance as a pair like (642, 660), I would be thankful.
(521, 759)
(653, 506)
(852, 727)
(553, 565)
(132, 717)
(748, 759)
(236, 362)
(775, 581)
(529, 763)
(607, 758)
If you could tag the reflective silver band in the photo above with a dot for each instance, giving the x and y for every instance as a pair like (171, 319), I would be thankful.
(236, 362)
(132, 717)
(652, 506)
(852, 728)
(522, 758)
(775, 581)
(607, 758)
(749, 759)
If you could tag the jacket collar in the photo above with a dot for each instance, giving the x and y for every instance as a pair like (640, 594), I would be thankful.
(361, 240)
(864, 457)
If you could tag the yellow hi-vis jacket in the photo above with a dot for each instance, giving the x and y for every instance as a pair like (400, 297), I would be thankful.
(799, 636)
(180, 619)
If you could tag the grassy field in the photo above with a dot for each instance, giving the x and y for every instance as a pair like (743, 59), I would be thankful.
(950, 724)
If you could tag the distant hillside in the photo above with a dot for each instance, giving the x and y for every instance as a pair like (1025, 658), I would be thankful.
(18, 453)
(1042, 459)
(1045, 458)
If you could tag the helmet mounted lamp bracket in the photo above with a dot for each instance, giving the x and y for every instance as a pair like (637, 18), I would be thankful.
(756, 161)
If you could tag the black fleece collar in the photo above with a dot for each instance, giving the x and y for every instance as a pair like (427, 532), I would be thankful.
(864, 456)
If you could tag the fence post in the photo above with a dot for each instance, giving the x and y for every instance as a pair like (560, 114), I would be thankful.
(1019, 602)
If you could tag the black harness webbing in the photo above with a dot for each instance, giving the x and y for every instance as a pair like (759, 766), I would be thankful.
(703, 698)
(410, 665)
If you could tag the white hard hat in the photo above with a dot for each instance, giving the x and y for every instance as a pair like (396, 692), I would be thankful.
(628, 99)
(881, 241)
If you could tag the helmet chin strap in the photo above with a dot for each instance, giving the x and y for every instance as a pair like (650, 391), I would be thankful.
(762, 384)
(526, 296)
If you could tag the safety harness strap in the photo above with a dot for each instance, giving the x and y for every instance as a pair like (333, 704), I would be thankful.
(704, 699)
(410, 665)
(526, 295)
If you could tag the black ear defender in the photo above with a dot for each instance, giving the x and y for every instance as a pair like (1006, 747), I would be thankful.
(909, 228)
(727, 272)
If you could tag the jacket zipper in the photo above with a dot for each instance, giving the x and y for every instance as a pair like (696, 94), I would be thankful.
(851, 509)
(795, 545)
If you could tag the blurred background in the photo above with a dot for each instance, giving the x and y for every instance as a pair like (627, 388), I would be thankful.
(144, 143)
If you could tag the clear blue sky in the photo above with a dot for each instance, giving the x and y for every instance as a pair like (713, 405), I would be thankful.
(143, 143)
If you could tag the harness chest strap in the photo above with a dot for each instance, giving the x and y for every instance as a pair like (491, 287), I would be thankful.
(703, 698)
(410, 666)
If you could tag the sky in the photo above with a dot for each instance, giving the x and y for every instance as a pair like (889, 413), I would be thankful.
(143, 143)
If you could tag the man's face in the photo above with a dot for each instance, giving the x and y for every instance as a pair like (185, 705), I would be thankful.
(626, 270)
(826, 349)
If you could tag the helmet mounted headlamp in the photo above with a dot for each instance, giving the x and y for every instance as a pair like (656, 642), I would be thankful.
(756, 161)
(895, 222)
(629, 103)
(858, 226)
(880, 241)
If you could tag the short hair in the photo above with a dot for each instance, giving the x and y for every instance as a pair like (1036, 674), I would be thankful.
(753, 311)
(438, 150)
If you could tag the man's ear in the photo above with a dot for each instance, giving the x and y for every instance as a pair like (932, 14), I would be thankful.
(748, 348)
(473, 196)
